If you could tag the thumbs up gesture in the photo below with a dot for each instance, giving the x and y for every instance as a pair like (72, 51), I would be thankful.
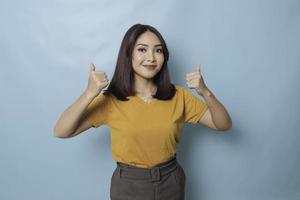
(194, 80)
(97, 80)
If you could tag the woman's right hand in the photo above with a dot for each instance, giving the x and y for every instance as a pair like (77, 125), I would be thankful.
(97, 81)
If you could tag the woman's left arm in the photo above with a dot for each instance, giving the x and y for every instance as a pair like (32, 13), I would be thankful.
(216, 117)
(216, 113)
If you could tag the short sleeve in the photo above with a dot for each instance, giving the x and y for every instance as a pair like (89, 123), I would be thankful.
(194, 108)
(98, 110)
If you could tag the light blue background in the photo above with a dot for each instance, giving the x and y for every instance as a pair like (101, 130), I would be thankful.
(249, 51)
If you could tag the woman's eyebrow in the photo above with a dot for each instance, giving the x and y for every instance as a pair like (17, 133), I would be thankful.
(148, 45)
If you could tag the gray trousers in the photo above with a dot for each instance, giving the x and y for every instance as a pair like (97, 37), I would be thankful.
(165, 181)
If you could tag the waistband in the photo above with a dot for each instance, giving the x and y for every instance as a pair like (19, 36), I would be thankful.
(153, 173)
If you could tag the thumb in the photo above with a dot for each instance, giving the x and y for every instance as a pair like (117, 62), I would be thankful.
(92, 67)
(198, 68)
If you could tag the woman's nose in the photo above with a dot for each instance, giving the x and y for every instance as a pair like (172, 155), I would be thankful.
(150, 56)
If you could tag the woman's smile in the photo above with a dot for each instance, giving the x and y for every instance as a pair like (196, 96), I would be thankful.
(151, 67)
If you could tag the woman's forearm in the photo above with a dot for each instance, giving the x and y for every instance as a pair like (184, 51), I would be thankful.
(69, 119)
(219, 114)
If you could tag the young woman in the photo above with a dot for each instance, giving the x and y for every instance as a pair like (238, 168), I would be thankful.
(145, 113)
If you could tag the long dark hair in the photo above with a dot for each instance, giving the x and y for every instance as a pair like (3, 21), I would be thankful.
(121, 84)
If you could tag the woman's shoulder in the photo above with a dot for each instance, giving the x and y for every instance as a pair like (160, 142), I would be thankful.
(183, 92)
(102, 97)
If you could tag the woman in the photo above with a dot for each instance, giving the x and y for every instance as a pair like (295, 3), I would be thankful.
(145, 113)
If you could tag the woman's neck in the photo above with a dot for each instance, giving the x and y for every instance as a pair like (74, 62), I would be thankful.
(144, 87)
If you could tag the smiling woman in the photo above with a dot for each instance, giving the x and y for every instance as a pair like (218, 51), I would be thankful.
(142, 68)
(145, 113)
(147, 61)
(145, 149)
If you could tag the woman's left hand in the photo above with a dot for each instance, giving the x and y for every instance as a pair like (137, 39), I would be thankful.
(194, 80)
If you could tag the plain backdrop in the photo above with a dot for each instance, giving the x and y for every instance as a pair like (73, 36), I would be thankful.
(249, 51)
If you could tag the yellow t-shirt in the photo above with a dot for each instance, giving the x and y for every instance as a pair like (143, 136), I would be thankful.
(145, 134)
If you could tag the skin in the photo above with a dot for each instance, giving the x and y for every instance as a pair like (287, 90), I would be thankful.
(71, 121)
(216, 117)
(147, 51)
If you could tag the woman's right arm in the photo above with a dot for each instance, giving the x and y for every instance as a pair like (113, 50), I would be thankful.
(72, 117)
(72, 121)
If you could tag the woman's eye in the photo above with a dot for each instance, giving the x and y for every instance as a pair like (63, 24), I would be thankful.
(141, 49)
(159, 50)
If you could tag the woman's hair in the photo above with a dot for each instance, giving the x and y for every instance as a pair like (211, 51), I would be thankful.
(122, 83)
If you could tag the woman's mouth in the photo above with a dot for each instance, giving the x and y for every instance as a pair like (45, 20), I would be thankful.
(150, 66)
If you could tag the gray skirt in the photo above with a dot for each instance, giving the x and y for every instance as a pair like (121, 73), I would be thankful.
(164, 181)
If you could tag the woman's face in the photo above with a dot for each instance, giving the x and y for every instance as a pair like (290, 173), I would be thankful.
(147, 55)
